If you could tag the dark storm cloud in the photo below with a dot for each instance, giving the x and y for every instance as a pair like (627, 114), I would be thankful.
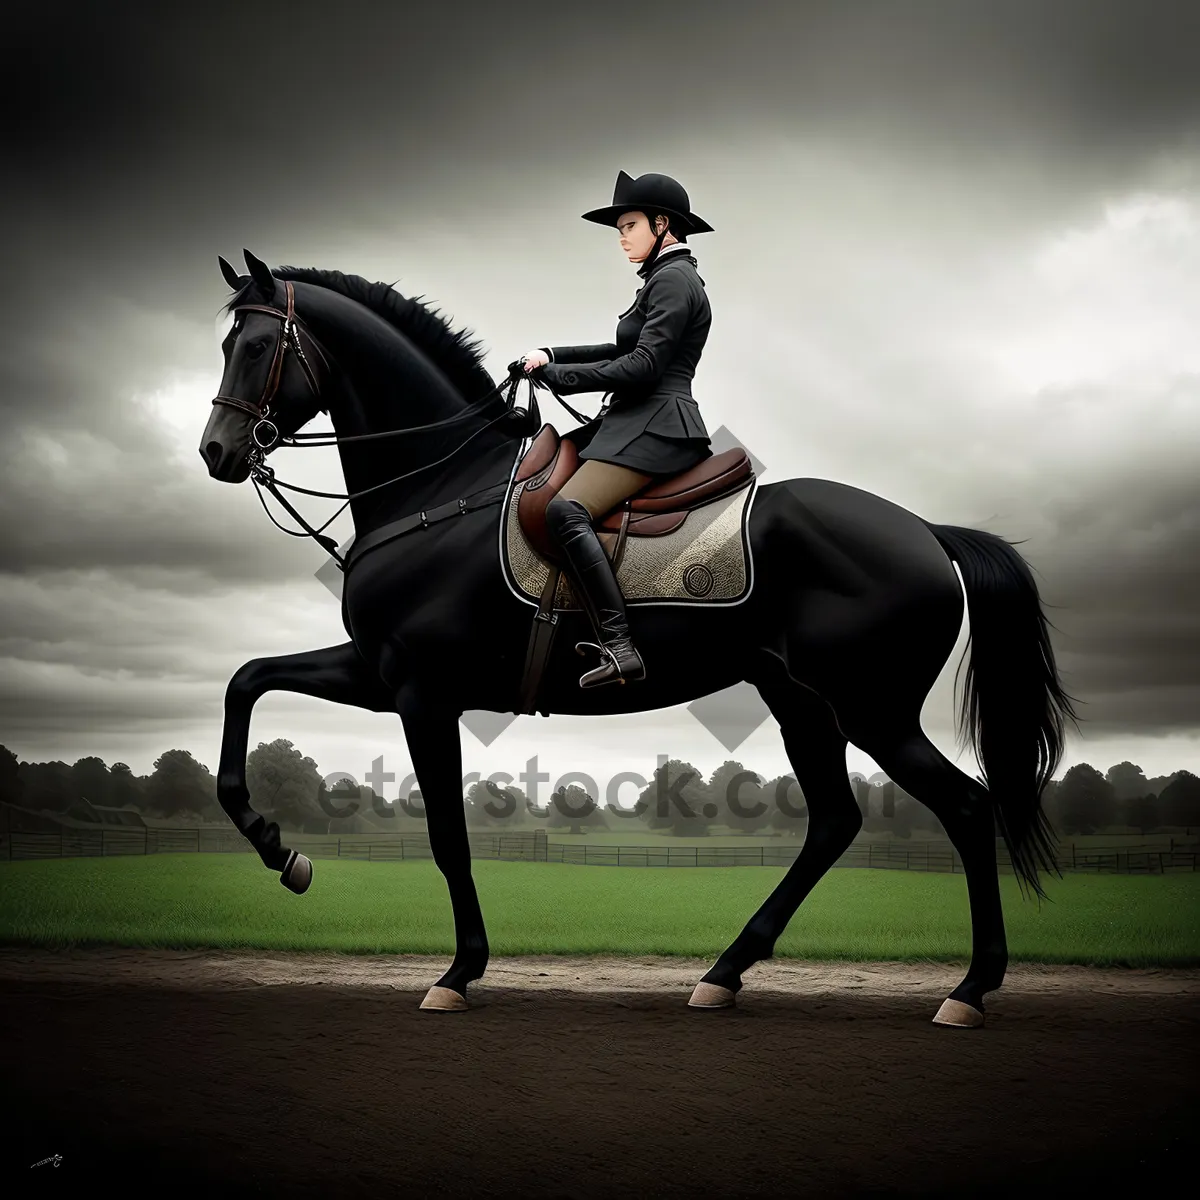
(244, 106)
(43, 702)
(91, 481)
(1125, 566)
(140, 142)
(88, 657)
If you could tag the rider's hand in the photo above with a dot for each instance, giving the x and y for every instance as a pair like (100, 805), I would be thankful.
(535, 359)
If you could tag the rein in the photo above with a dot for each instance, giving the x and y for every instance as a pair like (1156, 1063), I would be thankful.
(292, 336)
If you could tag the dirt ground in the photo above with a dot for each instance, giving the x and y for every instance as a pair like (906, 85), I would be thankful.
(274, 1074)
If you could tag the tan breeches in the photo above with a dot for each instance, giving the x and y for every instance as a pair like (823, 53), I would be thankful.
(601, 486)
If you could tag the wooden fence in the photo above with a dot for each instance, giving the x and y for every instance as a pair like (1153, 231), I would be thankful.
(521, 846)
(533, 846)
(916, 856)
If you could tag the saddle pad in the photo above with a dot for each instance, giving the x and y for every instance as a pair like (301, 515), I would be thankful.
(706, 560)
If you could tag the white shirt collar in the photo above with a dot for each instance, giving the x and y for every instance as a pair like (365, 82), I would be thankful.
(644, 269)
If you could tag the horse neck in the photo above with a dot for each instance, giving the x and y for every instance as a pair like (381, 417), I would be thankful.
(360, 406)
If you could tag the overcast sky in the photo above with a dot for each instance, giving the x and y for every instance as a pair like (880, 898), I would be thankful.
(956, 262)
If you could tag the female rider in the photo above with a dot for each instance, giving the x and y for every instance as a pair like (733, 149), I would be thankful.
(651, 427)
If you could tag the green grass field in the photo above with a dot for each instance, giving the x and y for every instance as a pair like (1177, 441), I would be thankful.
(231, 901)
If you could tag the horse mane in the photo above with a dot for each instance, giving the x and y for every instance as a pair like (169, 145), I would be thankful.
(453, 352)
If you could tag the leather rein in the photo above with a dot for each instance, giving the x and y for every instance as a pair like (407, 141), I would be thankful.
(293, 335)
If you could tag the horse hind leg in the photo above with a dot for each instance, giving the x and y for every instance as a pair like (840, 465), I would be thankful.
(964, 808)
(816, 750)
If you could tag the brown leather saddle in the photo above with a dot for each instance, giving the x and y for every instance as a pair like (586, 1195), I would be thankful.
(658, 510)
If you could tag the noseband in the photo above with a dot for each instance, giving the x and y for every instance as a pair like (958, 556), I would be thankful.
(293, 331)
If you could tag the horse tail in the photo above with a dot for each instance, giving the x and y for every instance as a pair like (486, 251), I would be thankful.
(1013, 706)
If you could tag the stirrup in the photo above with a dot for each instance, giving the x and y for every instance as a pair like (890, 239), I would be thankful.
(609, 658)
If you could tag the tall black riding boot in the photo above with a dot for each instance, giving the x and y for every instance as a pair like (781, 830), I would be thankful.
(592, 578)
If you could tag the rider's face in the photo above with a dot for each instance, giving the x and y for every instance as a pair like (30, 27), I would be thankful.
(637, 237)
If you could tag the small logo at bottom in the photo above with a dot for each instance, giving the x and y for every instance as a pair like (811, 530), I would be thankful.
(54, 1160)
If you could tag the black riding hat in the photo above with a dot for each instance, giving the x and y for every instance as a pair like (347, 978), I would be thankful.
(650, 193)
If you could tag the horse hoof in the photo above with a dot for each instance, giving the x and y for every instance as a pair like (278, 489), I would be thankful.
(440, 999)
(710, 995)
(297, 875)
(958, 1015)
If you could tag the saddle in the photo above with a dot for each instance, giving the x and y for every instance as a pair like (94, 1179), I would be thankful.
(659, 508)
(682, 540)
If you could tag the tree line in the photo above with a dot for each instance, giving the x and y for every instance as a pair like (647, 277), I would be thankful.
(288, 787)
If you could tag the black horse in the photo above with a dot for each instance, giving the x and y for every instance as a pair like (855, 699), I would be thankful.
(846, 584)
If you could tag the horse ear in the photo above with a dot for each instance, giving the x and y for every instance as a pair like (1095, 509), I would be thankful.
(235, 281)
(261, 274)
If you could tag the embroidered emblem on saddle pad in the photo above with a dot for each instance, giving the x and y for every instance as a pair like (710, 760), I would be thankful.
(685, 541)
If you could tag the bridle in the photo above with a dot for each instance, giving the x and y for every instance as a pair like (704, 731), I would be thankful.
(293, 335)
(293, 329)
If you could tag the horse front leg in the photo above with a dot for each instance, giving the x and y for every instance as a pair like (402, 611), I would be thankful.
(337, 673)
(435, 749)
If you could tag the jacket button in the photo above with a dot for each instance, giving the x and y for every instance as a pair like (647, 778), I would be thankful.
(570, 379)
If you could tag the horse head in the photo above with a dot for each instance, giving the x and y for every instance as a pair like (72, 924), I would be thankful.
(273, 378)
